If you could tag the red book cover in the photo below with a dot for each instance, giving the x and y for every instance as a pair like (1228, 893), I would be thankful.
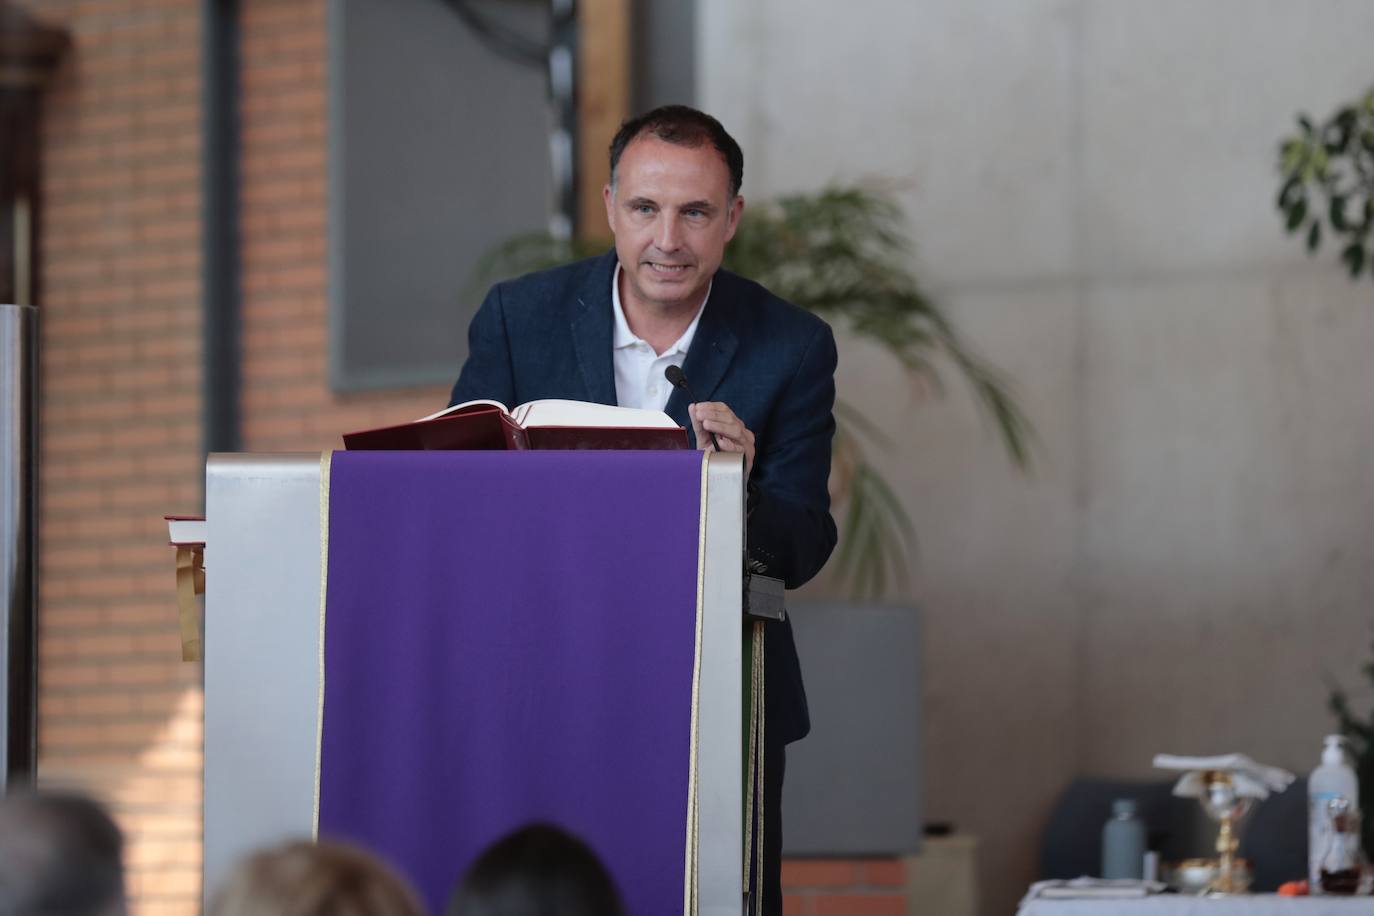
(559, 425)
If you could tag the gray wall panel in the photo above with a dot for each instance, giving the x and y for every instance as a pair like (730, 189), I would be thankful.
(854, 785)
(438, 151)
(663, 54)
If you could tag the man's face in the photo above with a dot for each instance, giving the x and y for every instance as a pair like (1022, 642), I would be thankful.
(671, 214)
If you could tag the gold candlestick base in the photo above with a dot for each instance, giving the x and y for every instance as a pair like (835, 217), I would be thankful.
(1222, 803)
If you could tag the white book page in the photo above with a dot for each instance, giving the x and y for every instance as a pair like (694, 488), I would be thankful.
(463, 406)
(584, 413)
(186, 530)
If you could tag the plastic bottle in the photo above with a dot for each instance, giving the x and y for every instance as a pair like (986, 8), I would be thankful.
(1334, 779)
(1123, 842)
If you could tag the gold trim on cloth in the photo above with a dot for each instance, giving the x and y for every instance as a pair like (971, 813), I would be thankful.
(325, 459)
(190, 582)
(690, 878)
(760, 689)
(751, 765)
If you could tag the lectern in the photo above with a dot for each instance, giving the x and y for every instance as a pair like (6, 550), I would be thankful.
(310, 725)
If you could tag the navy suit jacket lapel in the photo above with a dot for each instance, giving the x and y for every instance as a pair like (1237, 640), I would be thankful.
(592, 327)
(713, 348)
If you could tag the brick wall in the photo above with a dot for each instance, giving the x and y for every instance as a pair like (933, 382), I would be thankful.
(844, 887)
(119, 713)
(287, 403)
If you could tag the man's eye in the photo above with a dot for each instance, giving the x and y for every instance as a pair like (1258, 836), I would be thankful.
(694, 213)
(644, 208)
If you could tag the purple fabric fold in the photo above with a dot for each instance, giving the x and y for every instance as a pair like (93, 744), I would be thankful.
(509, 637)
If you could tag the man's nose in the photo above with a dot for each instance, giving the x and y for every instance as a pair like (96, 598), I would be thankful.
(667, 236)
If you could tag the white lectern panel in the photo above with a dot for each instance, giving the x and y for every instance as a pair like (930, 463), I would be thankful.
(262, 657)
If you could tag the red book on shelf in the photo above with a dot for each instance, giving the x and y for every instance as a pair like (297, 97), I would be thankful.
(548, 424)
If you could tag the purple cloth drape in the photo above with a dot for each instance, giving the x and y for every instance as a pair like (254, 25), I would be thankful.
(510, 637)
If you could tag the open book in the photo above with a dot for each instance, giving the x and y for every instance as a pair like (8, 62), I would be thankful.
(548, 424)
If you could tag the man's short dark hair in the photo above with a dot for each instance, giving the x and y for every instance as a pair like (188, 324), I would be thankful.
(59, 853)
(685, 127)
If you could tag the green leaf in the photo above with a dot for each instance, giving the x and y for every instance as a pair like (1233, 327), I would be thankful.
(1334, 139)
(851, 417)
(1293, 156)
(1317, 165)
(1296, 214)
(876, 535)
(1314, 236)
(1354, 258)
(1339, 704)
(1336, 134)
(1306, 124)
(1338, 213)
(1290, 188)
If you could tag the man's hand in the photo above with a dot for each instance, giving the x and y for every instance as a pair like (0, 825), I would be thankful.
(714, 417)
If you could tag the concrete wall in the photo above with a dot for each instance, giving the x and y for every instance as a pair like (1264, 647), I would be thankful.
(1090, 186)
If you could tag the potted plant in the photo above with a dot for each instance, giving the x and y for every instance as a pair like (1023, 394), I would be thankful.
(840, 253)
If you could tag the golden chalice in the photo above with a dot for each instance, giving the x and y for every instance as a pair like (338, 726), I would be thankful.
(1225, 805)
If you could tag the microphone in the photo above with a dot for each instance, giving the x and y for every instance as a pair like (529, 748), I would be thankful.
(678, 379)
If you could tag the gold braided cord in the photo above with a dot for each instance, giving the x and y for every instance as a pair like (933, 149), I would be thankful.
(761, 687)
(690, 879)
(325, 459)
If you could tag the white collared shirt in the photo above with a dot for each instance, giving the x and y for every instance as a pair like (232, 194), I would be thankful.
(639, 380)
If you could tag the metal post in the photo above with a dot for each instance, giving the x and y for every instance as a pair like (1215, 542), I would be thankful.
(562, 78)
(19, 541)
(220, 254)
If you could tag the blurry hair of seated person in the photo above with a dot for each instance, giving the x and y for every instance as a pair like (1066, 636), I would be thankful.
(327, 878)
(539, 870)
(60, 853)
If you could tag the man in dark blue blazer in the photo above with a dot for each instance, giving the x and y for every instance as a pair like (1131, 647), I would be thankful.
(602, 329)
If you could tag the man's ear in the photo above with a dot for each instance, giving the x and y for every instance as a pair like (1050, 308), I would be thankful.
(732, 218)
(608, 197)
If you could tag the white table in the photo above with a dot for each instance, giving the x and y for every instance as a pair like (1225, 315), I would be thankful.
(1186, 905)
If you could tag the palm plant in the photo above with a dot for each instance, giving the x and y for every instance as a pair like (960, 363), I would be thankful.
(840, 253)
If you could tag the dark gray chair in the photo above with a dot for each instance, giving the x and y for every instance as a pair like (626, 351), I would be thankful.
(1071, 844)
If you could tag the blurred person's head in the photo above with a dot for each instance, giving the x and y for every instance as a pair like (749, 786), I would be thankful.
(301, 878)
(539, 870)
(672, 203)
(60, 855)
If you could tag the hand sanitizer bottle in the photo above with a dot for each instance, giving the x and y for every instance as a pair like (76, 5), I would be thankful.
(1333, 780)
